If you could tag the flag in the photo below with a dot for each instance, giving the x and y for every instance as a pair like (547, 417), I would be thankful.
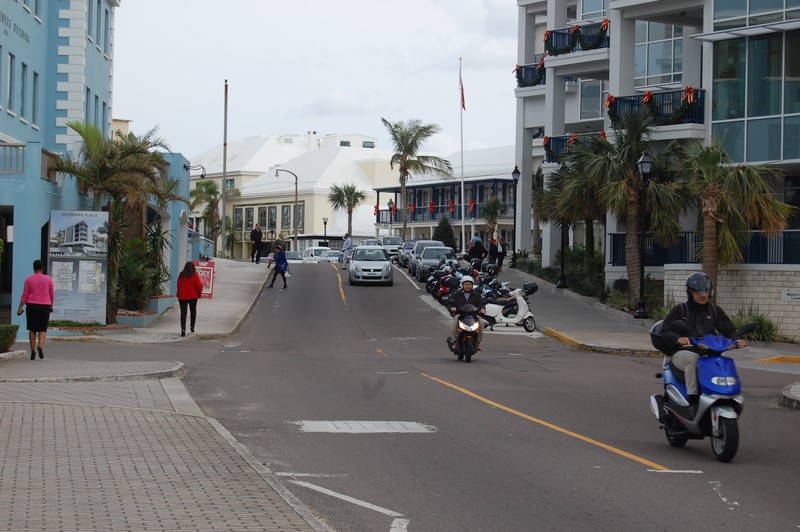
(461, 88)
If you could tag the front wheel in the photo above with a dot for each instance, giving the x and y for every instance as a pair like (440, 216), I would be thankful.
(674, 441)
(727, 443)
(529, 323)
(469, 348)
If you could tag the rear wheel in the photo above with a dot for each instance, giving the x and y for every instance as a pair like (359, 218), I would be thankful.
(469, 348)
(727, 443)
(529, 323)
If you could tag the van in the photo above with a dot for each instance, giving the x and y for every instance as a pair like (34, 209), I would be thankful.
(314, 254)
(419, 245)
(391, 244)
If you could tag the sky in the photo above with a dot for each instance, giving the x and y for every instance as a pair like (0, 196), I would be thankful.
(295, 66)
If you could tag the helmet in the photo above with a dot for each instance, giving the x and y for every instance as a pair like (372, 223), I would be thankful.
(467, 279)
(698, 282)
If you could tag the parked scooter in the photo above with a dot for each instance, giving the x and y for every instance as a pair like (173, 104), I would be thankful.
(720, 403)
(523, 316)
(466, 343)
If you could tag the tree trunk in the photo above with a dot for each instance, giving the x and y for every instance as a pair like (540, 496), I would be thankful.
(632, 259)
(350, 222)
(537, 236)
(710, 248)
(401, 205)
(589, 227)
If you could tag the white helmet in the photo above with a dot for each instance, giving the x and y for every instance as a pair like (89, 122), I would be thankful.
(467, 279)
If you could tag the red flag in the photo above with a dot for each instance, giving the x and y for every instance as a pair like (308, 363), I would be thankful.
(461, 89)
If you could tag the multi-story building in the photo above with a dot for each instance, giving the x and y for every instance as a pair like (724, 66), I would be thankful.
(715, 69)
(56, 65)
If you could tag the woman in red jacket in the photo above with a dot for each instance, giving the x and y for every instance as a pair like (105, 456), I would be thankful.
(190, 288)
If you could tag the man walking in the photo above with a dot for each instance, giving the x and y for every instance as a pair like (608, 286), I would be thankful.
(502, 247)
(255, 244)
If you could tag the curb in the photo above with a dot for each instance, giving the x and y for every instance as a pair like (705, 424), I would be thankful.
(12, 355)
(790, 396)
(176, 371)
(622, 351)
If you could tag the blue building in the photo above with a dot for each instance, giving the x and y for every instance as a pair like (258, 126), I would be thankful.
(56, 65)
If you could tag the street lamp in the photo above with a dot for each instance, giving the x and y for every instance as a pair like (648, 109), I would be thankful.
(515, 176)
(562, 278)
(390, 204)
(645, 164)
(295, 218)
(325, 225)
(196, 167)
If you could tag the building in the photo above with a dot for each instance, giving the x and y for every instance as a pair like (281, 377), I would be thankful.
(56, 65)
(715, 69)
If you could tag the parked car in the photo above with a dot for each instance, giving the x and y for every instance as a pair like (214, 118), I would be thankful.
(405, 252)
(330, 256)
(391, 244)
(431, 256)
(313, 254)
(369, 242)
(419, 245)
(370, 264)
(293, 257)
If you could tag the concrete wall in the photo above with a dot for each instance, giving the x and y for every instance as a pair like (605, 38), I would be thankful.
(772, 290)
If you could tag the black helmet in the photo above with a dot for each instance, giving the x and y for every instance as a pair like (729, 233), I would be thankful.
(698, 282)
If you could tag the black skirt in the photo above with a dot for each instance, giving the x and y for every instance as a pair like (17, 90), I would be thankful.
(38, 317)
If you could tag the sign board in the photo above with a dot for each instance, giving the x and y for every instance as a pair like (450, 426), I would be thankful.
(205, 270)
(791, 295)
(78, 265)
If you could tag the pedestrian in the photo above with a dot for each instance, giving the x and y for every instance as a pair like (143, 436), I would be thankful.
(477, 251)
(255, 244)
(347, 250)
(493, 251)
(281, 265)
(278, 243)
(475, 238)
(190, 288)
(502, 249)
(37, 299)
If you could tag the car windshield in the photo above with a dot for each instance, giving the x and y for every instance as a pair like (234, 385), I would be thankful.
(371, 255)
(438, 254)
(392, 241)
(293, 255)
(319, 252)
(409, 244)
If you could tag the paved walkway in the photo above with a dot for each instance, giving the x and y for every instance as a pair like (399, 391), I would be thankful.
(122, 446)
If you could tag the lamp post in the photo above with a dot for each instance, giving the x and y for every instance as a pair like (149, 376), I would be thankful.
(562, 278)
(645, 164)
(390, 204)
(294, 218)
(325, 229)
(515, 176)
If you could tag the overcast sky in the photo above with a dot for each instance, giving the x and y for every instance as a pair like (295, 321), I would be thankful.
(330, 66)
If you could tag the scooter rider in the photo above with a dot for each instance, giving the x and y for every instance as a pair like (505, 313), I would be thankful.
(467, 295)
(702, 317)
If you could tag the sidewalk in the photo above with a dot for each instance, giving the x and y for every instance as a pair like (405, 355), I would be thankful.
(122, 445)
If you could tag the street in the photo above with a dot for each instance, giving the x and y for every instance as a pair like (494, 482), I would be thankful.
(349, 395)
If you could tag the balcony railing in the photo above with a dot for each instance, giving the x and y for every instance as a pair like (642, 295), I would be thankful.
(531, 75)
(555, 147)
(783, 249)
(439, 211)
(577, 38)
(12, 159)
(682, 106)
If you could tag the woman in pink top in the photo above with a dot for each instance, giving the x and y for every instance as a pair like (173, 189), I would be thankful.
(37, 294)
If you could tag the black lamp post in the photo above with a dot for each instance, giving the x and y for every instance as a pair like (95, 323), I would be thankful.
(515, 176)
(645, 164)
(390, 204)
(295, 218)
(325, 229)
(562, 278)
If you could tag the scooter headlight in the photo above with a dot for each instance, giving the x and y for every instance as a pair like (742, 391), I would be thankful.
(464, 327)
(724, 381)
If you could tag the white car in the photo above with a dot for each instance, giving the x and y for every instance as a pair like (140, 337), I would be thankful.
(314, 254)
(370, 264)
(330, 256)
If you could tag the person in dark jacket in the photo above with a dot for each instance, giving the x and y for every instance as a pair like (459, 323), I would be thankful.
(255, 244)
(702, 317)
(492, 251)
(281, 265)
(464, 296)
(477, 251)
(502, 249)
(190, 288)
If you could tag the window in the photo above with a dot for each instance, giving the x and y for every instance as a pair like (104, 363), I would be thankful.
(732, 136)
(764, 139)
(10, 87)
(792, 67)
(96, 109)
(89, 15)
(367, 144)
(658, 53)
(237, 219)
(729, 79)
(104, 125)
(262, 217)
(35, 100)
(86, 105)
(273, 218)
(791, 139)
(592, 9)
(248, 218)
(37, 8)
(345, 143)
(764, 76)
(592, 98)
(97, 22)
(23, 90)
(792, 197)
(107, 34)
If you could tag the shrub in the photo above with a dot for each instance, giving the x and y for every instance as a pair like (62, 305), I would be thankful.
(8, 335)
(766, 330)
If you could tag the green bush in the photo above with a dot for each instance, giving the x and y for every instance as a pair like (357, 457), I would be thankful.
(8, 335)
(766, 330)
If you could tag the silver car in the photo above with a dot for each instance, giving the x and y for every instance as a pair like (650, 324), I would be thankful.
(370, 264)
(432, 256)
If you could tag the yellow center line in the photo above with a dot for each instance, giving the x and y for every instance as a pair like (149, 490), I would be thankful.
(581, 437)
(341, 288)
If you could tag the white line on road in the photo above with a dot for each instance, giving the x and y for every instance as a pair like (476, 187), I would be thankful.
(684, 471)
(347, 498)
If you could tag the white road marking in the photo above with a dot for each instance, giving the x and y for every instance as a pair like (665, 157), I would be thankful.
(718, 489)
(364, 427)
(391, 372)
(399, 525)
(685, 471)
(411, 280)
(313, 475)
(347, 498)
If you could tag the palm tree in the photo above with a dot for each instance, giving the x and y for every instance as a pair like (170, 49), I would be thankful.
(407, 139)
(731, 199)
(537, 191)
(610, 169)
(347, 198)
(117, 170)
(492, 209)
(206, 192)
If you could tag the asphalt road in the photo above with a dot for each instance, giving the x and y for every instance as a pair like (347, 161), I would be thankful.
(532, 435)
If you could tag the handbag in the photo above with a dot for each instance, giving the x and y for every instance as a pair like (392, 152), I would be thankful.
(288, 274)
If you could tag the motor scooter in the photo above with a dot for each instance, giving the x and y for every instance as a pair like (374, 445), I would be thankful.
(523, 316)
(720, 403)
(466, 342)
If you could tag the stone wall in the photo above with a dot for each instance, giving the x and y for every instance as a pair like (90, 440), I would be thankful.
(770, 289)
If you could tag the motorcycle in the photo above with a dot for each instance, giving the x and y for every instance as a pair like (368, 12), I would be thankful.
(499, 311)
(720, 403)
(466, 343)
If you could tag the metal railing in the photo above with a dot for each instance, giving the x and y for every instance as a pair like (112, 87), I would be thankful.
(12, 158)
(440, 211)
(667, 107)
(558, 146)
(564, 40)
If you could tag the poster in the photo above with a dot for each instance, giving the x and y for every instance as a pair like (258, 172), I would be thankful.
(78, 264)
(205, 270)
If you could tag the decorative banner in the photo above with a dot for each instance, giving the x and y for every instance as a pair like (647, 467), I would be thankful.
(603, 135)
(573, 139)
(78, 264)
(647, 96)
(688, 95)
(411, 207)
(394, 209)
(604, 25)
(471, 205)
(205, 270)
(431, 206)
(545, 141)
(452, 206)
(609, 100)
(375, 211)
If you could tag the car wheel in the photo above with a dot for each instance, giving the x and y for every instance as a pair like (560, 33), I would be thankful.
(350, 281)
(390, 283)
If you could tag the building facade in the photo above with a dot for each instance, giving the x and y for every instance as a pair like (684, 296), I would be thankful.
(712, 69)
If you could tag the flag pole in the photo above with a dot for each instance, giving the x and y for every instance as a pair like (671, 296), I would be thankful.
(224, 170)
(461, 113)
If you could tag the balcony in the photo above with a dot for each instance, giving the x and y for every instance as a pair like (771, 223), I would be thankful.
(531, 75)
(12, 159)
(783, 249)
(577, 38)
(682, 106)
(555, 147)
(425, 216)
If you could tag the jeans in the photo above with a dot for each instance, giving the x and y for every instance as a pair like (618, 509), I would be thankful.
(686, 361)
(192, 305)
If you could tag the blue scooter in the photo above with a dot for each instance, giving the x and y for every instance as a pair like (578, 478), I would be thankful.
(720, 403)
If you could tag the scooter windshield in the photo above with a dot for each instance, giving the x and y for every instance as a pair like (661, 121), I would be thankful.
(714, 342)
